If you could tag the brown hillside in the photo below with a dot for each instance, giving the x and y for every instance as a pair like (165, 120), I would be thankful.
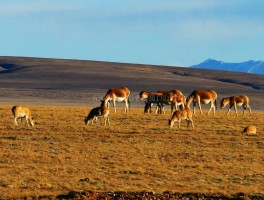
(79, 82)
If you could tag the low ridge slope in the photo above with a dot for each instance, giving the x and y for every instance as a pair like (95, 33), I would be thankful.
(81, 82)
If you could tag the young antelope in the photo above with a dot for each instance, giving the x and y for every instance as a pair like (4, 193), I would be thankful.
(179, 115)
(22, 112)
(101, 111)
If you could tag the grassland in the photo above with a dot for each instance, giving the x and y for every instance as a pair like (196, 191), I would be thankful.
(136, 152)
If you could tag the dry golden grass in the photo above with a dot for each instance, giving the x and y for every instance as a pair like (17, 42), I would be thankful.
(136, 152)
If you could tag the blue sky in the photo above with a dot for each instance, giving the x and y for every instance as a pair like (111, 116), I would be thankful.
(160, 32)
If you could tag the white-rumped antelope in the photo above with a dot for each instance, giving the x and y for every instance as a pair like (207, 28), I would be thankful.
(177, 98)
(22, 112)
(179, 115)
(174, 98)
(203, 97)
(235, 101)
(119, 95)
(101, 111)
(151, 98)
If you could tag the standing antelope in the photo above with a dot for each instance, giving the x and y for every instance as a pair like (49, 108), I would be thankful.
(119, 95)
(179, 115)
(153, 97)
(177, 98)
(173, 97)
(22, 112)
(204, 97)
(102, 110)
(235, 101)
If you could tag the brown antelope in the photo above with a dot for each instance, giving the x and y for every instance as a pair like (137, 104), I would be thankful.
(235, 101)
(22, 112)
(102, 110)
(119, 95)
(173, 97)
(151, 98)
(179, 115)
(203, 97)
(177, 99)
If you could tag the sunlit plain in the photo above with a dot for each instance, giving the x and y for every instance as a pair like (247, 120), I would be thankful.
(136, 152)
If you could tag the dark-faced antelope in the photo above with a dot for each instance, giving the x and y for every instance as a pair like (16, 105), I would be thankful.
(235, 101)
(22, 112)
(119, 95)
(101, 111)
(179, 115)
(151, 98)
(203, 97)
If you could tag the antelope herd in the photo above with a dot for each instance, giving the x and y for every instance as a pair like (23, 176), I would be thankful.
(174, 98)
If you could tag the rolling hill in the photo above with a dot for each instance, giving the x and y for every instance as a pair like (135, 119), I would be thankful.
(80, 82)
(251, 66)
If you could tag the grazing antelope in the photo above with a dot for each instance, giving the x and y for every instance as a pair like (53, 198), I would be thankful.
(235, 101)
(204, 97)
(22, 112)
(119, 95)
(153, 97)
(174, 97)
(179, 115)
(102, 110)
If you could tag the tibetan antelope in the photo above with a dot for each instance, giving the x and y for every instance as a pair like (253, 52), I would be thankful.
(177, 98)
(119, 95)
(101, 111)
(22, 112)
(173, 97)
(151, 98)
(203, 97)
(235, 101)
(179, 115)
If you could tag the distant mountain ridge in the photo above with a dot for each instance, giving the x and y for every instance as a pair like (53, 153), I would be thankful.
(251, 66)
